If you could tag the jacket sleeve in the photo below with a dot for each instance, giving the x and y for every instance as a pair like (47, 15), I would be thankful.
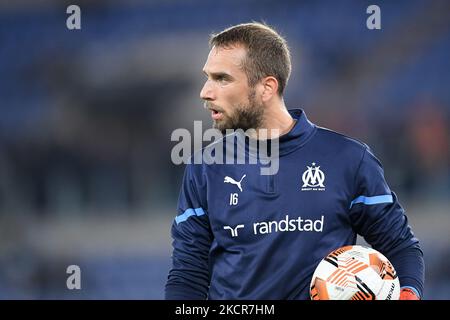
(191, 233)
(376, 215)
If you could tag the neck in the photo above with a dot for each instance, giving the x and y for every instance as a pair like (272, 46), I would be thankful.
(277, 121)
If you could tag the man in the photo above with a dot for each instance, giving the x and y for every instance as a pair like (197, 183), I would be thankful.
(243, 235)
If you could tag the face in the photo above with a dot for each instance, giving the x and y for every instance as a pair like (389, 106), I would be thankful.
(233, 104)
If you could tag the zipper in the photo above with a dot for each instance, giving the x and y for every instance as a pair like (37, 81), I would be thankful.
(271, 183)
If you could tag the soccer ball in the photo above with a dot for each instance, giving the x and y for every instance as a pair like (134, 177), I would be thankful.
(355, 273)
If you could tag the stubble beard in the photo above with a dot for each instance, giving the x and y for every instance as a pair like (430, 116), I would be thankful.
(243, 117)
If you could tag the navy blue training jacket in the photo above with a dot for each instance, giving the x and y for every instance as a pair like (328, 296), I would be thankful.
(242, 235)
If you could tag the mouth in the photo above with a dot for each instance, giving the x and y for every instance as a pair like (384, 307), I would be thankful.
(216, 112)
(216, 115)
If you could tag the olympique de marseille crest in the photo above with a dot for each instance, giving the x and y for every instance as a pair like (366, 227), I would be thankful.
(313, 178)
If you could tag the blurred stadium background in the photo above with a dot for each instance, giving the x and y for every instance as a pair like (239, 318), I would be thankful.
(86, 118)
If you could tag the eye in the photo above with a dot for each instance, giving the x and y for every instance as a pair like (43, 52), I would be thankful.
(222, 79)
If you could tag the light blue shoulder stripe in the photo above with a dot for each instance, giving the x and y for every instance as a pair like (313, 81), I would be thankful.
(372, 200)
(413, 289)
(189, 212)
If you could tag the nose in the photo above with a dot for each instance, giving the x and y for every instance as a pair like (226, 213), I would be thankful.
(207, 91)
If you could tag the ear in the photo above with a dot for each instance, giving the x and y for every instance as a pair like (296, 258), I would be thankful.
(269, 88)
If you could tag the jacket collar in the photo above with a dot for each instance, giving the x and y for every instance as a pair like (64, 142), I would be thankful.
(299, 134)
(297, 137)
